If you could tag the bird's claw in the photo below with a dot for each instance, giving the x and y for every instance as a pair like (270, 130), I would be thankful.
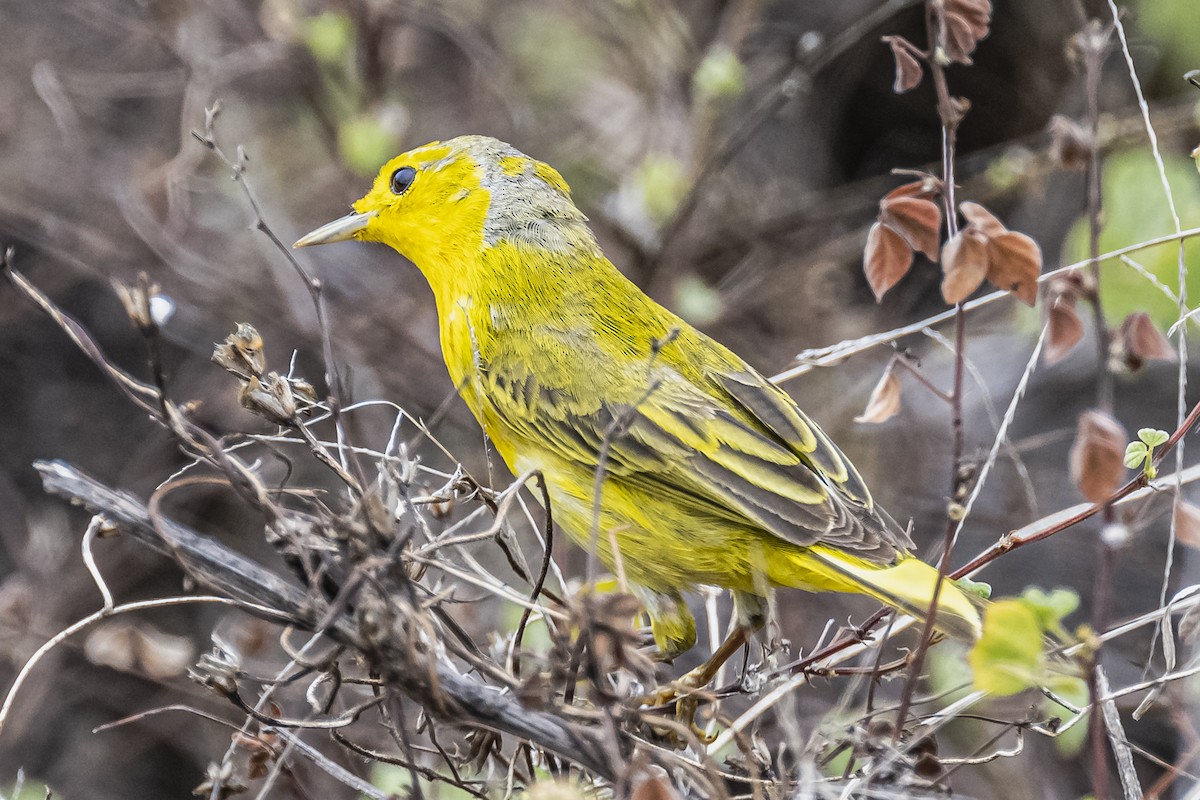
(684, 692)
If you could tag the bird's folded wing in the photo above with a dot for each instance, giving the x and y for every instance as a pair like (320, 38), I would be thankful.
(739, 449)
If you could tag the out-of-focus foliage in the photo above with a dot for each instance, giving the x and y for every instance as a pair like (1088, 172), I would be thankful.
(1174, 25)
(1012, 654)
(1135, 210)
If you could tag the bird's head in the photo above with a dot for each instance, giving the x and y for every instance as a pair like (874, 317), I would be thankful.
(440, 203)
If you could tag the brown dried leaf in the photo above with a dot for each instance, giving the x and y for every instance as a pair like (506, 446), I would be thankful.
(614, 644)
(270, 398)
(886, 260)
(1187, 524)
(967, 22)
(964, 265)
(981, 218)
(918, 220)
(1097, 456)
(884, 402)
(1141, 341)
(908, 68)
(960, 40)
(242, 352)
(1070, 144)
(1014, 264)
(163, 655)
(929, 187)
(978, 11)
(136, 300)
(1066, 329)
(112, 646)
(654, 788)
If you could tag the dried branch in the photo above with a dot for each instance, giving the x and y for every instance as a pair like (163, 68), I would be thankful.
(460, 700)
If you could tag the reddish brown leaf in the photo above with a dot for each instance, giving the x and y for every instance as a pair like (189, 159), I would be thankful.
(927, 188)
(1187, 524)
(654, 788)
(960, 38)
(1014, 264)
(1066, 329)
(1144, 342)
(967, 22)
(908, 68)
(884, 402)
(918, 220)
(981, 218)
(1070, 144)
(1097, 455)
(964, 265)
(978, 12)
(886, 260)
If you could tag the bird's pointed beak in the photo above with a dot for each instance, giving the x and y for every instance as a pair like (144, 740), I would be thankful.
(340, 230)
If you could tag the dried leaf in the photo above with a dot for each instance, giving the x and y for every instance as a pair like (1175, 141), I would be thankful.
(978, 11)
(1187, 524)
(981, 218)
(1066, 329)
(1097, 456)
(1014, 264)
(964, 264)
(654, 788)
(1141, 341)
(908, 68)
(886, 260)
(918, 220)
(929, 187)
(967, 22)
(884, 402)
(137, 300)
(1070, 145)
(270, 398)
(242, 352)
(960, 40)
(112, 646)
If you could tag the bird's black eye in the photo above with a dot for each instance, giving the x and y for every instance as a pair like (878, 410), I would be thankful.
(402, 179)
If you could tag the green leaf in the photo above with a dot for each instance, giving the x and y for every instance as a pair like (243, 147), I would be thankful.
(663, 182)
(1174, 27)
(978, 589)
(949, 674)
(1135, 454)
(367, 141)
(30, 790)
(1074, 691)
(1051, 607)
(1134, 212)
(697, 302)
(1153, 437)
(1008, 659)
(329, 36)
(721, 74)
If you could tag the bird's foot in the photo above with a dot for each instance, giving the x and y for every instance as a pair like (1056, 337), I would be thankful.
(687, 694)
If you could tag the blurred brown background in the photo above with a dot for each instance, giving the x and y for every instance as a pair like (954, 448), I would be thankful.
(633, 101)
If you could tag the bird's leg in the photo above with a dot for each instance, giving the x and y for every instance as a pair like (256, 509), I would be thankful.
(751, 616)
(683, 691)
(702, 675)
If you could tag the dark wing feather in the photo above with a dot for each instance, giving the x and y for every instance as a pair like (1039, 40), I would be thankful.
(739, 449)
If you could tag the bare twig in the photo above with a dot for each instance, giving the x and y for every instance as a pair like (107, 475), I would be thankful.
(464, 700)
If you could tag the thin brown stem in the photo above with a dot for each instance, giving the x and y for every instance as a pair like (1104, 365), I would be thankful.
(950, 111)
(1093, 41)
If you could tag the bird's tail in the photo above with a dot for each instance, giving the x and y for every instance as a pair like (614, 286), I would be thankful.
(908, 586)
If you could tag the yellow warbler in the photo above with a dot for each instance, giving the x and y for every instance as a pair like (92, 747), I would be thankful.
(711, 474)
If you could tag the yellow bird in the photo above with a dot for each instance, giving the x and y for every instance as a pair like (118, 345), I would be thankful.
(712, 475)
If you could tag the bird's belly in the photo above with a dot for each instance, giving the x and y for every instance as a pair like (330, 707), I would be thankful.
(647, 538)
